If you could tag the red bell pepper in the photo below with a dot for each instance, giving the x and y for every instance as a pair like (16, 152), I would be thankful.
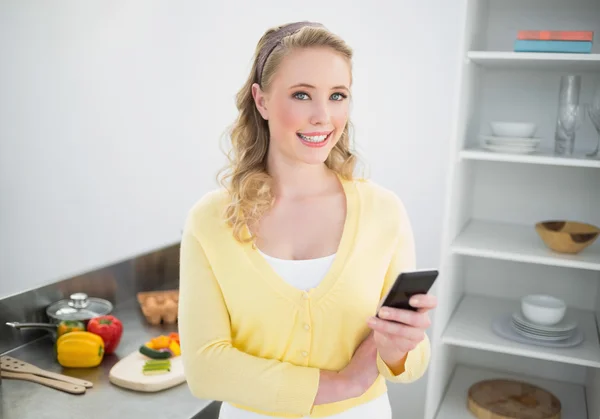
(109, 328)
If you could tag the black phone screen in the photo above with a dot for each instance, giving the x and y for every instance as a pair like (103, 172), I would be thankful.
(408, 284)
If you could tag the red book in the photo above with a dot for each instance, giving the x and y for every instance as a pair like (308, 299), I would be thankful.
(556, 35)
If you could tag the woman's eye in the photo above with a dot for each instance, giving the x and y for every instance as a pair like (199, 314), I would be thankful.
(338, 96)
(301, 96)
(304, 96)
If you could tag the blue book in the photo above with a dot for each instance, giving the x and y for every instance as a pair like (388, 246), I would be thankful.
(527, 45)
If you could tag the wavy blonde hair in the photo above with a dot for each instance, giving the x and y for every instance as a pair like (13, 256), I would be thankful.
(245, 176)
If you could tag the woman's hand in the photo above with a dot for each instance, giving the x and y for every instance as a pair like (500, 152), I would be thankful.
(354, 379)
(361, 372)
(397, 332)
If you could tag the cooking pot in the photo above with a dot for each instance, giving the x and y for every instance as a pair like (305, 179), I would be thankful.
(77, 307)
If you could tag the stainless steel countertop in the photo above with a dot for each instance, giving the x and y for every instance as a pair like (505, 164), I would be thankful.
(23, 400)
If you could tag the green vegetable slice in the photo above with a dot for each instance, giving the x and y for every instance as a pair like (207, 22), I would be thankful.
(154, 354)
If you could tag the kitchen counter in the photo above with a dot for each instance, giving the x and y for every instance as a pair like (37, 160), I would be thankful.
(23, 399)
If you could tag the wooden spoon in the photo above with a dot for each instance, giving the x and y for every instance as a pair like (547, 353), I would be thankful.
(59, 385)
(8, 363)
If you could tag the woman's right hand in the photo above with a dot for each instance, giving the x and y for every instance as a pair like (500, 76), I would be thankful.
(352, 381)
(361, 372)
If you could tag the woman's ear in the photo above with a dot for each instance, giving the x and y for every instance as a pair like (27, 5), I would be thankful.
(260, 100)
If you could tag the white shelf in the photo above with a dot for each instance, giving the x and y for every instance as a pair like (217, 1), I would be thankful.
(544, 157)
(454, 403)
(536, 60)
(471, 327)
(519, 243)
(492, 257)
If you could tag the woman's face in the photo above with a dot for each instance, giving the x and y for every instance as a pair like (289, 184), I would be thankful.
(306, 106)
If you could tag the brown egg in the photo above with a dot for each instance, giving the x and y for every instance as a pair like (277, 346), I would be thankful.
(150, 302)
(169, 311)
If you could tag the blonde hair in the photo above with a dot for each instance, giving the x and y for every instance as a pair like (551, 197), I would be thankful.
(245, 177)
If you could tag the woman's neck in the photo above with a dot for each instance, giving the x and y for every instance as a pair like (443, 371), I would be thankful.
(300, 180)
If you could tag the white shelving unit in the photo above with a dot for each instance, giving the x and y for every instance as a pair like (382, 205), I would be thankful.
(491, 254)
(528, 60)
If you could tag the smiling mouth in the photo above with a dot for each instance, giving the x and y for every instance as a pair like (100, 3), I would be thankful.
(314, 140)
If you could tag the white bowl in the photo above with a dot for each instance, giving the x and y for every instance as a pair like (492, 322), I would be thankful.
(543, 309)
(513, 129)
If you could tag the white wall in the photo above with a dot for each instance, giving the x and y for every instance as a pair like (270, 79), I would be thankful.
(111, 114)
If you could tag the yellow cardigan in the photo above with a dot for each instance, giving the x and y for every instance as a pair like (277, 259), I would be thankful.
(251, 339)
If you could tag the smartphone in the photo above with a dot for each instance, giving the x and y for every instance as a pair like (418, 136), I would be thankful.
(406, 285)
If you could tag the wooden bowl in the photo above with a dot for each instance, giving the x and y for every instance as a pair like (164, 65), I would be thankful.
(567, 236)
(510, 399)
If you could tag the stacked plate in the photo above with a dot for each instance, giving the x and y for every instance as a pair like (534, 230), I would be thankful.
(514, 145)
(558, 332)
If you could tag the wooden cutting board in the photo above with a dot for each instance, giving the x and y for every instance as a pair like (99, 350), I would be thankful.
(508, 399)
(127, 373)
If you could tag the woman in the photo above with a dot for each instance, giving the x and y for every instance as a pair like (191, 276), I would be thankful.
(282, 270)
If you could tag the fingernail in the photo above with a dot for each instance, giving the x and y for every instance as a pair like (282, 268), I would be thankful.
(415, 301)
(384, 312)
(371, 321)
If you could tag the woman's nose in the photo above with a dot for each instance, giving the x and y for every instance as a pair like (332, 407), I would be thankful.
(320, 114)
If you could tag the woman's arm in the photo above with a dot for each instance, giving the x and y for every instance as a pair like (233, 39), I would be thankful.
(215, 370)
(409, 366)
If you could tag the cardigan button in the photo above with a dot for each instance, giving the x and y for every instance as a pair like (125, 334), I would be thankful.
(305, 295)
(306, 326)
(304, 354)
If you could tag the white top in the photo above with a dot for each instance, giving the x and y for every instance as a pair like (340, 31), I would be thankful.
(304, 275)
(301, 274)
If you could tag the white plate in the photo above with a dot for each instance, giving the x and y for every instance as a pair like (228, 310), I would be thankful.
(565, 325)
(503, 328)
(509, 149)
(538, 336)
(541, 333)
(509, 145)
(535, 329)
(530, 142)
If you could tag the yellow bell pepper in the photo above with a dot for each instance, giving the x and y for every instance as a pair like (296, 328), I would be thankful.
(174, 348)
(160, 342)
(79, 350)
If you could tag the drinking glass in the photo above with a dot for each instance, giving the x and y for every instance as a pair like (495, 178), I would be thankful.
(594, 114)
(568, 113)
(570, 119)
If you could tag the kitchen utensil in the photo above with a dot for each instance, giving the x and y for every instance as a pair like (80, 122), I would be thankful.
(127, 373)
(159, 306)
(543, 309)
(513, 129)
(78, 307)
(11, 364)
(52, 327)
(503, 327)
(567, 236)
(511, 399)
(59, 385)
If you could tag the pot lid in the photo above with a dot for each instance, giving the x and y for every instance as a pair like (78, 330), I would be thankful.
(79, 307)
